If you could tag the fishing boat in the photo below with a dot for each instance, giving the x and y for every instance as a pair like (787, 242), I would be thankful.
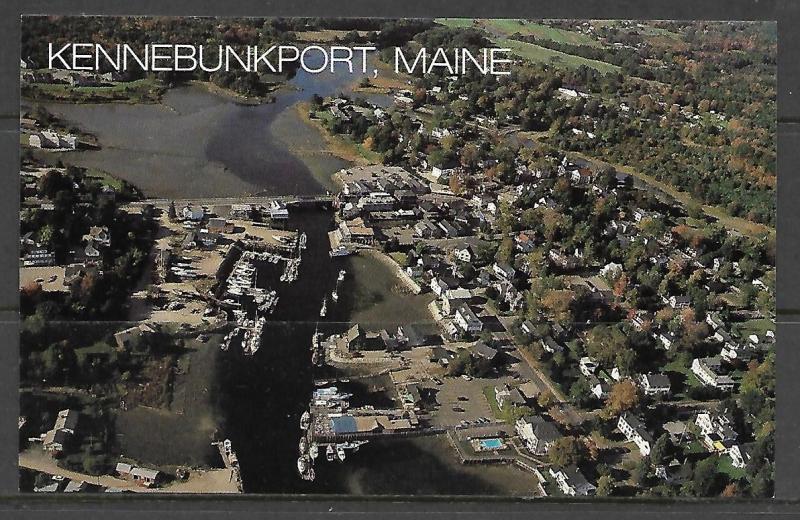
(309, 475)
(340, 278)
(335, 296)
(305, 420)
(324, 310)
(313, 451)
(303, 445)
(303, 239)
(340, 452)
(330, 453)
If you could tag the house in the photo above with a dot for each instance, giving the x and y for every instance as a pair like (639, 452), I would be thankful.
(130, 338)
(709, 372)
(56, 439)
(716, 430)
(527, 327)
(192, 213)
(507, 396)
(679, 302)
(740, 454)
(464, 253)
(600, 389)
(537, 433)
(146, 477)
(634, 431)
(550, 345)
(357, 232)
(427, 229)
(440, 285)
(504, 270)
(219, 225)
(52, 140)
(450, 304)
(655, 384)
(466, 319)
(571, 481)
(588, 366)
(666, 338)
(482, 350)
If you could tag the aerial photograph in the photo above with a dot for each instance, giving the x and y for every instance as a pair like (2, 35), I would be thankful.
(486, 257)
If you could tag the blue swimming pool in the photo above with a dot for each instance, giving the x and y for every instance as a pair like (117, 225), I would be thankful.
(491, 444)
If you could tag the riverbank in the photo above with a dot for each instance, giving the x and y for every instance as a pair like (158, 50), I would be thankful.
(336, 145)
(202, 481)
(232, 95)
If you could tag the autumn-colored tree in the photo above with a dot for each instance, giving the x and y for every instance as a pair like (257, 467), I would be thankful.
(566, 451)
(624, 396)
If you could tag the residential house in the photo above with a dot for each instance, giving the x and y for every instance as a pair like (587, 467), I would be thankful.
(466, 319)
(709, 372)
(655, 384)
(571, 481)
(537, 433)
(634, 431)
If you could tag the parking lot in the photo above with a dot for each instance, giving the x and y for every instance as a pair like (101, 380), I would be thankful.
(461, 400)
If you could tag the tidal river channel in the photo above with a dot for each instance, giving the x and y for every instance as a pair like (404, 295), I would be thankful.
(198, 144)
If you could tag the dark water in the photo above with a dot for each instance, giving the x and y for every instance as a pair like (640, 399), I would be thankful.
(198, 144)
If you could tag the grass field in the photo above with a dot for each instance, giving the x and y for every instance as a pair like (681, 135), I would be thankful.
(508, 26)
(140, 91)
(536, 53)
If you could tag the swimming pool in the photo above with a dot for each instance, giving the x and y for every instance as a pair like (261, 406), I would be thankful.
(491, 444)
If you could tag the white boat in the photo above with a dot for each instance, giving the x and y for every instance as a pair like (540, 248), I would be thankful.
(324, 310)
(313, 451)
(335, 296)
(340, 251)
(303, 445)
(303, 464)
(305, 420)
(309, 475)
(340, 278)
(340, 452)
(330, 453)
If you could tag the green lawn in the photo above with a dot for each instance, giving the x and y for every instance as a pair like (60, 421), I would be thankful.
(725, 465)
(536, 53)
(509, 26)
(488, 392)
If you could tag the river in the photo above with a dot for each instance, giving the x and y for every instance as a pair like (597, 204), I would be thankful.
(197, 144)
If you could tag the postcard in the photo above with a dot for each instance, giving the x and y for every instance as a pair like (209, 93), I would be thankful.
(414, 257)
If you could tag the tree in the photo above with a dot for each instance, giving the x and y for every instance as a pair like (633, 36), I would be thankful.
(566, 451)
(172, 214)
(662, 450)
(705, 476)
(605, 486)
(624, 396)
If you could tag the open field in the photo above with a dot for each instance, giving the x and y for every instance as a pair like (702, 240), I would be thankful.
(139, 91)
(509, 26)
(540, 54)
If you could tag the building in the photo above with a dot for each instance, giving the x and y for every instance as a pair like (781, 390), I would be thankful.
(537, 433)
(550, 345)
(52, 140)
(588, 366)
(278, 210)
(709, 372)
(194, 214)
(130, 338)
(56, 440)
(508, 396)
(655, 384)
(482, 350)
(466, 319)
(39, 258)
(504, 271)
(634, 431)
(219, 225)
(716, 431)
(571, 481)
